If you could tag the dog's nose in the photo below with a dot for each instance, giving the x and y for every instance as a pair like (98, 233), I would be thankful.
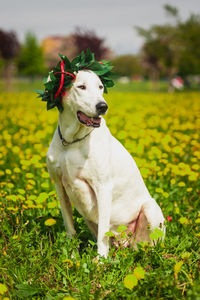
(101, 108)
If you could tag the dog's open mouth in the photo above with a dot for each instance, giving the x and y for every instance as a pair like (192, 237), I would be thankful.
(88, 121)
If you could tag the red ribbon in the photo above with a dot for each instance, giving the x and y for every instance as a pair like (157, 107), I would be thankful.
(63, 73)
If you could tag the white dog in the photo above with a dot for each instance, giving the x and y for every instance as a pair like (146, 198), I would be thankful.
(94, 172)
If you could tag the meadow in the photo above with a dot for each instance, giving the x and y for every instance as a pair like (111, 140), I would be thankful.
(38, 261)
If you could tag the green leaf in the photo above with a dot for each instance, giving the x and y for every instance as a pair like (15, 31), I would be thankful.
(110, 83)
(40, 92)
(130, 281)
(156, 234)
(46, 79)
(81, 62)
(89, 57)
(66, 60)
(109, 233)
(49, 85)
(121, 228)
(50, 105)
(52, 76)
(26, 290)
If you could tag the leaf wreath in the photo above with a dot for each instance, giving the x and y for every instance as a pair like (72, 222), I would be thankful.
(61, 77)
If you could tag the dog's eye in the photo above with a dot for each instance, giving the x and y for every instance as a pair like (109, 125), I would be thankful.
(101, 87)
(82, 87)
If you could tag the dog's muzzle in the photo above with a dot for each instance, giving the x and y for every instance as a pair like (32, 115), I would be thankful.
(101, 108)
(88, 121)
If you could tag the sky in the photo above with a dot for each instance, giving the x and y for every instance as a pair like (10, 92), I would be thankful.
(113, 20)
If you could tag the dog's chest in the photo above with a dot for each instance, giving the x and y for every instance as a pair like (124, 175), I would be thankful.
(74, 169)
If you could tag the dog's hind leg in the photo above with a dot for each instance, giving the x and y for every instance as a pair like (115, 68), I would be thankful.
(150, 217)
(66, 209)
(93, 227)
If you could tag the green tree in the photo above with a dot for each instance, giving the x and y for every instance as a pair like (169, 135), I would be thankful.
(31, 60)
(172, 49)
(9, 49)
(127, 65)
(160, 52)
(189, 32)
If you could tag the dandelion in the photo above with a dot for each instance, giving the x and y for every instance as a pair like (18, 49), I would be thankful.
(45, 185)
(3, 289)
(183, 220)
(29, 175)
(8, 171)
(10, 185)
(159, 190)
(17, 170)
(181, 184)
(68, 262)
(21, 191)
(50, 222)
(1, 173)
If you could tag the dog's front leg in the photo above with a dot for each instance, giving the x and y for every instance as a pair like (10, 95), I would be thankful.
(66, 209)
(104, 199)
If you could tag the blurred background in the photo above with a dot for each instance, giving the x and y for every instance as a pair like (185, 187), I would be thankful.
(154, 45)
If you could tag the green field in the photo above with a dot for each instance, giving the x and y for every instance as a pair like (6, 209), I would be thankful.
(38, 261)
(144, 86)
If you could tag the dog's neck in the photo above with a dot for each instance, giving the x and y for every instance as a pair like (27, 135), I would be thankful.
(71, 129)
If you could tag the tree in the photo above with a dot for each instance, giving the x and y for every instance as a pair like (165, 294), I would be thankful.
(127, 65)
(172, 49)
(189, 62)
(161, 49)
(171, 11)
(160, 52)
(89, 39)
(9, 49)
(31, 59)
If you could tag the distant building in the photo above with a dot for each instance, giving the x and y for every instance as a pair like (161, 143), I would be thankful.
(54, 45)
(66, 45)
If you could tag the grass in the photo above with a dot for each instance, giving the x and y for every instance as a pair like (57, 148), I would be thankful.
(38, 261)
(145, 86)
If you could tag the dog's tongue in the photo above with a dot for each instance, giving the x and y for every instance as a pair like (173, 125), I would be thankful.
(88, 121)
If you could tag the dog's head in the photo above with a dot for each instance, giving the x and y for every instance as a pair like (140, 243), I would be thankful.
(85, 98)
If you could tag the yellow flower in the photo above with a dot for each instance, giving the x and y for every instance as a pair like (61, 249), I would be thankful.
(177, 210)
(17, 170)
(45, 185)
(52, 204)
(50, 222)
(68, 262)
(189, 189)
(165, 194)
(181, 184)
(21, 191)
(45, 175)
(173, 181)
(177, 268)
(1, 172)
(3, 289)
(29, 175)
(183, 220)
(8, 171)
(159, 190)
(10, 185)
(16, 149)
(195, 167)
